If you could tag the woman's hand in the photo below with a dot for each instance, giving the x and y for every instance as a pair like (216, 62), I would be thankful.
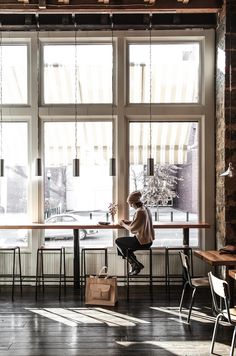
(121, 222)
(124, 222)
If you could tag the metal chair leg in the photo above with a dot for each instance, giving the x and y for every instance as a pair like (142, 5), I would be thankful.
(191, 304)
(214, 333)
(233, 343)
(182, 296)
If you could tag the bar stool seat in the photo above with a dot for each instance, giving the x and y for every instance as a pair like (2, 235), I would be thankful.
(168, 275)
(40, 275)
(14, 277)
(128, 277)
(83, 261)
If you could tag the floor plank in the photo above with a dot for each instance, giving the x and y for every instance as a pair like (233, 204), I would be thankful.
(142, 326)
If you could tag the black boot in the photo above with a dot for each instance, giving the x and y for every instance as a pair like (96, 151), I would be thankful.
(135, 266)
(134, 259)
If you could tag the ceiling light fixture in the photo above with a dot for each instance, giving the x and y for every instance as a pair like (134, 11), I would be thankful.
(66, 2)
(150, 1)
(150, 160)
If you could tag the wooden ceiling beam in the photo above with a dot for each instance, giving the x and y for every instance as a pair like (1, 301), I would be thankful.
(116, 6)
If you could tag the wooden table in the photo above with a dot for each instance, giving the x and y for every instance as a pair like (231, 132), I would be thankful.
(76, 227)
(214, 258)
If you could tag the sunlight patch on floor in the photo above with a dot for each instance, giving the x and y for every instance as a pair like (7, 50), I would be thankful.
(196, 315)
(87, 316)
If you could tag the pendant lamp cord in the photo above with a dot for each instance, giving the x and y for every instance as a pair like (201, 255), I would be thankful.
(112, 75)
(38, 85)
(1, 76)
(150, 86)
(76, 93)
(230, 81)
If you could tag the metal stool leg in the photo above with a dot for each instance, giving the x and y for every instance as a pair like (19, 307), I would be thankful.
(150, 273)
(127, 275)
(13, 274)
(60, 275)
(37, 276)
(64, 263)
(20, 271)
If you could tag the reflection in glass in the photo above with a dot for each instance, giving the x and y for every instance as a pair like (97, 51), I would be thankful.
(94, 73)
(172, 193)
(14, 185)
(15, 74)
(175, 73)
(84, 199)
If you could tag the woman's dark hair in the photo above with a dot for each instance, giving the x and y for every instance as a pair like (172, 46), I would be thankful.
(139, 204)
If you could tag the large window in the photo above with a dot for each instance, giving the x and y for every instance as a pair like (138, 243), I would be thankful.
(14, 74)
(174, 70)
(14, 184)
(83, 199)
(172, 193)
(94, 73)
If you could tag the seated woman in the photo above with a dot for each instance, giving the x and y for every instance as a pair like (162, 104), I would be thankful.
(142, 228)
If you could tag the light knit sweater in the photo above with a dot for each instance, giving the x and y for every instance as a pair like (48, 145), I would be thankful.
(141, 225)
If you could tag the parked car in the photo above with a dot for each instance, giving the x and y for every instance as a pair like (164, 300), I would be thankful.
(57, 234)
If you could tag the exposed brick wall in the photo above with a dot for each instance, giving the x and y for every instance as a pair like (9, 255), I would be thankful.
(226, 124)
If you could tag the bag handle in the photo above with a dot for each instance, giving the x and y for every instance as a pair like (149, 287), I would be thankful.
(105, 269)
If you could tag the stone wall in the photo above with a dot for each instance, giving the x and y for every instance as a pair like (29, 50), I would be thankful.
(226, 124)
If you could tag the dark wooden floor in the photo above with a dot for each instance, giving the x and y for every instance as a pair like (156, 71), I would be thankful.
(139, 327)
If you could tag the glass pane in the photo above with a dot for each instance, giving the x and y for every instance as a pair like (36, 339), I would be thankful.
(14, 184)
(174, 69)
(83, 199)
(14, 74)
(172, 193)
(94, 73)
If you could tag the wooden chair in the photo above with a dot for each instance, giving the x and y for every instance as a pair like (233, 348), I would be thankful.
(220, 297)
(193, 283)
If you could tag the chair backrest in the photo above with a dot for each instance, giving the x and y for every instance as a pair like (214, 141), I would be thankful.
(220, 289)
(185, 265)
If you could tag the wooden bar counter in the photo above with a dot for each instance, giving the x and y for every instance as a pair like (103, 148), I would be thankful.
(76, 228)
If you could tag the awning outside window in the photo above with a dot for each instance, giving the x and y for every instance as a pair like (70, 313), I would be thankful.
(170, 142)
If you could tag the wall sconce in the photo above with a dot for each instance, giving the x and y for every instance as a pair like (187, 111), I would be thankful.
(229, 172)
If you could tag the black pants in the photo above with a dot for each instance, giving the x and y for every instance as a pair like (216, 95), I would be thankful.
(131, 243)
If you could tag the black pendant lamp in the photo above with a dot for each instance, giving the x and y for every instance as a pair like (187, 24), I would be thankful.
(150, 160)
(1, 136)
(112, 162)
(76, 162)
(38, 161)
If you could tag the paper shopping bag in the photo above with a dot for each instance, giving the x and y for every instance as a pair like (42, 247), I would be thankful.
(101, 290)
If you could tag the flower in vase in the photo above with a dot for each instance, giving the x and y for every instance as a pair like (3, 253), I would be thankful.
(112, 209)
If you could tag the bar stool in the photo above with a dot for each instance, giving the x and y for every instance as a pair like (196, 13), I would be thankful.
(83, 261)
(168, 276)
(128, 277)
(14, 250)
(40, 275)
